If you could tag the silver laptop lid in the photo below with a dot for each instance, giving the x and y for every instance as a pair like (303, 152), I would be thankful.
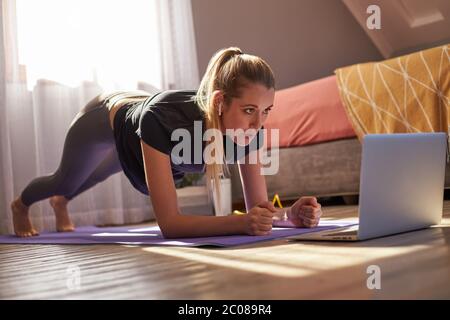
(402, 182)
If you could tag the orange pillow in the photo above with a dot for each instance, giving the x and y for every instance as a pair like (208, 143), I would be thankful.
(309, 113)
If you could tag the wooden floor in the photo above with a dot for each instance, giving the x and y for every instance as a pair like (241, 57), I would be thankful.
(412, 265)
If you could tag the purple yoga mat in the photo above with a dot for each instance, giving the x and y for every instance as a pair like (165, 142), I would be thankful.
(152, 236)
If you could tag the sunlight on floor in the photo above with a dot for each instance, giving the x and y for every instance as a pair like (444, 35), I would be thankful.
(302, 259)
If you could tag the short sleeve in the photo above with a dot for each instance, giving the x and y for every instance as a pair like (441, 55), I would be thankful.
(152, 132)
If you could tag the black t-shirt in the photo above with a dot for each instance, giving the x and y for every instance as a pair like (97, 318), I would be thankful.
(153, 120)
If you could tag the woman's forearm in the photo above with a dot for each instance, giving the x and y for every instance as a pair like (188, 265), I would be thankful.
(202, 226)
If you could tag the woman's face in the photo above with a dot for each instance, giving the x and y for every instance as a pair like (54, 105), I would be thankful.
(250, 111)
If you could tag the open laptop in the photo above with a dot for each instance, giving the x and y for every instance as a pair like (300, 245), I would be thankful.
(401, 186)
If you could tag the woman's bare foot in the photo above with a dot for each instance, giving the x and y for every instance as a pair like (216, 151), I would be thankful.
(21, 219)
(63, 222)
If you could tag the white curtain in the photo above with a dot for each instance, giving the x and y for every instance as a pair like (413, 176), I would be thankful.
(55, 57)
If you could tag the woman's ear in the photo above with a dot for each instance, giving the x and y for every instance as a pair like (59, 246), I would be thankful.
(218, 101)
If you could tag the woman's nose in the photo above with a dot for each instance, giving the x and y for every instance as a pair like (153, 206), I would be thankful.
(256, 122)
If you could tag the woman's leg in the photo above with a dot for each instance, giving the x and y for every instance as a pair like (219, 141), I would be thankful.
(88, 142)
(109, 166)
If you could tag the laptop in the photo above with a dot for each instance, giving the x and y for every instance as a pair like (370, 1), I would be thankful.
(401, 186)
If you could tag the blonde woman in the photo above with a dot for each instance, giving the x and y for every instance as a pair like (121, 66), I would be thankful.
(132, 131)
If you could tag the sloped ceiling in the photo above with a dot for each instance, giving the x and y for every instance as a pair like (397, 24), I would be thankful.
(406, 25)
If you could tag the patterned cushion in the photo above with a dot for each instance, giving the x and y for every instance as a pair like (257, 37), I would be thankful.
(410, 93)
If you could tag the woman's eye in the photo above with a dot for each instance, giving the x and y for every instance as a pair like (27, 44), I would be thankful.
(250, 110)
(267, 110)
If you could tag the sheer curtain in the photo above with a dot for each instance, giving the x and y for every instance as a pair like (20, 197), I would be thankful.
(55, 57)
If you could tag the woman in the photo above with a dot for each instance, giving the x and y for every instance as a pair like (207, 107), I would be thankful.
(132, 131)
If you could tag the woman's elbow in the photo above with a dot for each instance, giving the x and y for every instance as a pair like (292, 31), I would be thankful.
(169, 229)
(168, 233)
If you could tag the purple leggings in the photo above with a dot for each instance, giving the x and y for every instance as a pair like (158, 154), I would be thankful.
(89, 157)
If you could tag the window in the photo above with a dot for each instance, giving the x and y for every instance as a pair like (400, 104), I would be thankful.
(112, 42)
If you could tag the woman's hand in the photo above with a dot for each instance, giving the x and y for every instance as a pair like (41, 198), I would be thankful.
(305, 212)
(258, 221)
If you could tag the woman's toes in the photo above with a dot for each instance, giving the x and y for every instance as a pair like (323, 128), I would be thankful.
(67, 228)
(22, 234)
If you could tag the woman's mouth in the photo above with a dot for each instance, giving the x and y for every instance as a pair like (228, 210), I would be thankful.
(243, 139)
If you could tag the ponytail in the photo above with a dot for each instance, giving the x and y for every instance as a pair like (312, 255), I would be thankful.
(229, 70)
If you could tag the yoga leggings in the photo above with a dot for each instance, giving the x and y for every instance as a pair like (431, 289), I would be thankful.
(89, 157)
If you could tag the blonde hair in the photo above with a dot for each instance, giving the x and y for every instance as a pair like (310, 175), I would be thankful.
(124, 97)
(229, 70)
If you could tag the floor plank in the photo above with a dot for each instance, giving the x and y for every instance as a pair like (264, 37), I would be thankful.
(413, 265)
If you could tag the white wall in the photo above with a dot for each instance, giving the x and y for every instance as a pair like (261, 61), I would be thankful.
(302, 40)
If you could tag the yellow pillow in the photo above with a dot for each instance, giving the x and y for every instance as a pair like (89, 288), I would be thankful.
(404, 94)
